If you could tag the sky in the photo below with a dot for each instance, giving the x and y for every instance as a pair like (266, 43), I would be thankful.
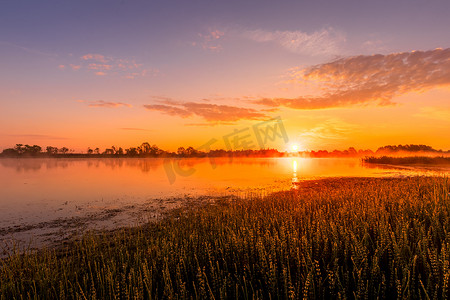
(336, 74)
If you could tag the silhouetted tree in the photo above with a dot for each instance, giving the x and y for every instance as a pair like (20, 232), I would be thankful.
(19, 148)
(190, 151)
(132, 151)
(108, 151)
(181, 151)
(63, 150)
(145, 148)
(52, 150)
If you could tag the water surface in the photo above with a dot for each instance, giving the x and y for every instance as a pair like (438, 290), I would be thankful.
(41, 196)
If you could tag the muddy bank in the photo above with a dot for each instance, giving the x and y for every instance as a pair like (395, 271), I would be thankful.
(35, 235)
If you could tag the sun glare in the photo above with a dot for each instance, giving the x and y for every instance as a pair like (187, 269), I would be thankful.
(294, 148)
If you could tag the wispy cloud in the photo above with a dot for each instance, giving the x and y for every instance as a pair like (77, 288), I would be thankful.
(102, 65)
(106, 104)
(374, 46)
(323, 42)
(213, 113)
(329, 132)
(27, 49)
(211, 40)
(95, 66)
(332, 129)
(96, 57)
(375, 79)
(75, 67)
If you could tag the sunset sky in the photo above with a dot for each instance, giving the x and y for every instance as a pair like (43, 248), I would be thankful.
(180, 73)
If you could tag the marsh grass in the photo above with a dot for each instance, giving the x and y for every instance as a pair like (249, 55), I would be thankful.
(410, 160)
(335, 238)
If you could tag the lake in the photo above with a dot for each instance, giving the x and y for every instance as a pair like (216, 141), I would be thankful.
(44, 198)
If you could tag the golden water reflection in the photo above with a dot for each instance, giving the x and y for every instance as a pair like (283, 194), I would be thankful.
(294, 174)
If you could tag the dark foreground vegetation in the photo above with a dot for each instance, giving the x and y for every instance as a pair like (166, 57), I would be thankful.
(336, 238)
(412, 160)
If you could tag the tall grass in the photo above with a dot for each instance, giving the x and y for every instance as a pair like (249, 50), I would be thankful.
(344, 238)
(409, 160)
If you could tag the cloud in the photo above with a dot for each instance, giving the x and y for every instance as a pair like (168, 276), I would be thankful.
(363, 80)
(373, 46)
(75, 67)
(328, 133)
(95, 66)
(101, 65)
(169, 110)
(211, 40)
(101, 103)
(210, 112)
(96, 57)
(332, 129)
(324, 42)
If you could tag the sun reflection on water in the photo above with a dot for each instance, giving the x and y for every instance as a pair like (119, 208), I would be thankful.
(294, 174)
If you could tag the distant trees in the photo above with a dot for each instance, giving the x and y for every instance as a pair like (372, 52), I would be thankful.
(350, 152)
(131, 151)
(406, 148)
(181, 151)
(63, 150)
(52, 150)
(148, 150)
(21, 149)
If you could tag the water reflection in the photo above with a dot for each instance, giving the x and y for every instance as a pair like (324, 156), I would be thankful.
(294, 174)
(145, 165)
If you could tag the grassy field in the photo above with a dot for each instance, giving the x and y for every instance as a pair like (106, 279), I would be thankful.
(335, 238)
(411, 160)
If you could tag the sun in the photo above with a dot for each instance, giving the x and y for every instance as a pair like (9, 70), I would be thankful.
(294, 148)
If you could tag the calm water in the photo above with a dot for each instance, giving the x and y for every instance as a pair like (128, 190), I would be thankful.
(46, 195)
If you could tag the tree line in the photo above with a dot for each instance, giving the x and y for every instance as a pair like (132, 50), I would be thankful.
(144, 150)
(148, 150)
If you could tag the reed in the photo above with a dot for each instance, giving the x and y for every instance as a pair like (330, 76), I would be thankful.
(410, 160)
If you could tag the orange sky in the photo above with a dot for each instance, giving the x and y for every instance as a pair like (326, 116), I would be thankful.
(72, 76)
